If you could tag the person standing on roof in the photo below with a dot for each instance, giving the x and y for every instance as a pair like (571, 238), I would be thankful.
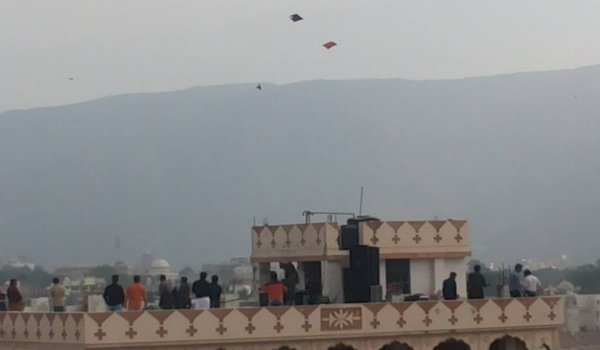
(275, 290)
(201, 289)
(514, 282)
(15, 299)
(215, 292)
(183, 294)
(476, 283)
(114, 295)
(449, 287)
(165, 293)
(57, 295)
(532, 284)
(135, 298)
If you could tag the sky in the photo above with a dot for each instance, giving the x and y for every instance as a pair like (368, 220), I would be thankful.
(111, 47)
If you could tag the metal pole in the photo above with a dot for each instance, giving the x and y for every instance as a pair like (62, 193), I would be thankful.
(361, 201)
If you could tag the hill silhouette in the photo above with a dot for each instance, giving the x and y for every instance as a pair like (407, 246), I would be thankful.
(183, 173)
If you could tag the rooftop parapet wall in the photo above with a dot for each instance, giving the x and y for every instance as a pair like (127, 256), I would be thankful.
(298, 242)
(286, 324)
(417, 239)
(47, 328)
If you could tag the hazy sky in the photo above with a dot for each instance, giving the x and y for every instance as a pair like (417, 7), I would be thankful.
(118, 46)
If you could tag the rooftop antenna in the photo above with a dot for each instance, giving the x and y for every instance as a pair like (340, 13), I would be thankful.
(361, 201)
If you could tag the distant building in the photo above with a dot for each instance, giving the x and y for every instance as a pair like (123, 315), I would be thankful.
(147, 259)
(18, 264)
(121, 267)
(582, 312)
(234, 275)
(162, 267)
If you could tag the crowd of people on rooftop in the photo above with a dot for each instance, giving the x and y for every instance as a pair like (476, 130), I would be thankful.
(202, 294)
(519, 285)
(284, 292)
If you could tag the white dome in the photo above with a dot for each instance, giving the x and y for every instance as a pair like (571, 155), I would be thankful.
(565, 286)
(160, 264)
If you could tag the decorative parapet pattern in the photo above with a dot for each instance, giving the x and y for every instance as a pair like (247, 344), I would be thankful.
(254, 325)
(59, 328)
(299, 242)
(417, 239)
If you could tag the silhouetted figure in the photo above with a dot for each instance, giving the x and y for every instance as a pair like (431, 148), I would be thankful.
(475, 284)
(289, 282)
(314, 289)
(201, 289)
(165, 293)
(514, 282)
(2, 300)
(114, 295)
(215, 292)
(449, 287)
(183, 295)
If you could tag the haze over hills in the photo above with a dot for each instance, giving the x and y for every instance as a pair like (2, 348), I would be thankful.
(183, 173)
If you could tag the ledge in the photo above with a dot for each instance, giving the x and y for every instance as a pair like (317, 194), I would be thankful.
(250, 325)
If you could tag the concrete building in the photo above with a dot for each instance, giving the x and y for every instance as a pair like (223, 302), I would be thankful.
(582, 312)
(428, 251)
(161, 267)
(414, 256)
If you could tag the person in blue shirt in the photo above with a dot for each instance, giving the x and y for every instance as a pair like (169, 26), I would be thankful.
(514, 282)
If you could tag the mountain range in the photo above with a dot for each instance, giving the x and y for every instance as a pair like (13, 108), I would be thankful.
(184, 174)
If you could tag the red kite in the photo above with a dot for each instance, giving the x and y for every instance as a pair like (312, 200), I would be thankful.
(330, 44)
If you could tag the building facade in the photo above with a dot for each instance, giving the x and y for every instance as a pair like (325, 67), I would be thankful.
(495, 324)
(416, 255)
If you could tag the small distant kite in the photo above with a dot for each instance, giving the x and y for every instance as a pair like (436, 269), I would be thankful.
(259, 87)
(296, 17)
(329, 45)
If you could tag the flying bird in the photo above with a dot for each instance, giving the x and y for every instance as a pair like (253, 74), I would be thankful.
(328, 45)
(71, 78)
(296, 17)
(259, 87)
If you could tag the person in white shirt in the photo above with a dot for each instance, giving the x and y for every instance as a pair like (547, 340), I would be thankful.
(531, 284)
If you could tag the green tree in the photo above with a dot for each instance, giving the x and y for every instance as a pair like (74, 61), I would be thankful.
(187, 272)
(586, 277)
(33, 283)
(550, 276)
(104, 271)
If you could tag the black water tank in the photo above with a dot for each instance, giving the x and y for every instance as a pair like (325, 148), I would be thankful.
(348, 237)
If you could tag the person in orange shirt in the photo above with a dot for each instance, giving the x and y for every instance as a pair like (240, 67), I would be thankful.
(275, 290)
(135, 297)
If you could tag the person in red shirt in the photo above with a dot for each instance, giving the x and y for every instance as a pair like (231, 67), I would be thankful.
(135, 297)
(275, 290)
(15, 299)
